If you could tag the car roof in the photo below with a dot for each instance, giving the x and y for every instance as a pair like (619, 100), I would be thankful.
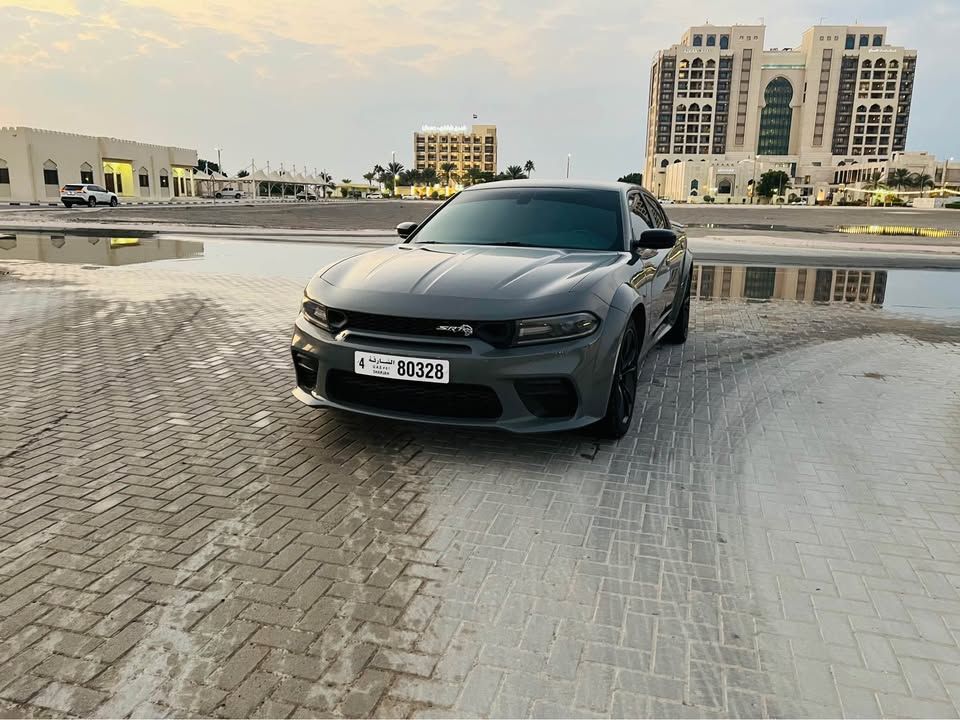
(573, 184)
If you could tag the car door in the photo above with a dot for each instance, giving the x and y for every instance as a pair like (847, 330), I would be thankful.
(671, 269)
(651, 279)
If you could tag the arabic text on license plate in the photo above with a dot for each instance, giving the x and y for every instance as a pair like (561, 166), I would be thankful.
(401, 368)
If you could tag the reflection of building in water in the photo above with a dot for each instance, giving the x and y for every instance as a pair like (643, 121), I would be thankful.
(73, 249)
(789, 283)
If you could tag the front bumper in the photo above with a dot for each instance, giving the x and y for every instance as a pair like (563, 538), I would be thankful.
(583, 367)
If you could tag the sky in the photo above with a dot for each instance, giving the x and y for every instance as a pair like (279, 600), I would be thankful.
(341, 84)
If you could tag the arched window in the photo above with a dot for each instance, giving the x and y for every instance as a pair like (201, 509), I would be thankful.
(874, 108)
(888, 109)
(867, 64)
(697, 40)
(694, 108)
(164, 178)
(4, 179)
(776, 118)
(86, 173)
(724, 187)
(143, 177)
(711, 40)
(707, 108)
(684, 64)
(697, 62)
(51, 176)
(880, 63)
(681, 108)
(676, 161)
(711, 63)
(694, 184)
(664, 163)
(724, 42)
(861, 108)
(893, 64)
(877, 40)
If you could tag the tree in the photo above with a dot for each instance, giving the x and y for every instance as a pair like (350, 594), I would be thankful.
(634, 178)
(923, 181)
(243, 173)
(207, 166)
(448, 168)
(368, 177)
(875, 181)
(771, 182)
(515, 172)
(529, 167)
(428, 175)
(899, 178)
(346, 181)
(378, 172)
(475, 176)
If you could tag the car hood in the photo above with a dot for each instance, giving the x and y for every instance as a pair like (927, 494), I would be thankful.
(464, 281)
(468, 271)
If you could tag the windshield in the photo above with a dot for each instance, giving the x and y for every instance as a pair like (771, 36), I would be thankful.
(567, 218)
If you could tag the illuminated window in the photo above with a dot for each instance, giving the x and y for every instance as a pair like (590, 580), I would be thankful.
(86, 173)
(164, 178)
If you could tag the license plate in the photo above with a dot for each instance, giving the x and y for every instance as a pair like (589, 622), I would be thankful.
(401, 368)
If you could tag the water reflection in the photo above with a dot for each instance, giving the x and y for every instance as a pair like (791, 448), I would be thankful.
(802, 284)
(111, 251)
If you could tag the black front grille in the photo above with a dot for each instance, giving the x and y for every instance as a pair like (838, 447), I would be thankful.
(548, 397)
(454, 401)
(497, 333)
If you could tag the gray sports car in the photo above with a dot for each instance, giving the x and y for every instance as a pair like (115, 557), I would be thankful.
(524, 305)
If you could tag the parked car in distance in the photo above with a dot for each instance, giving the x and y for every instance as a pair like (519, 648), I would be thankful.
(665, 201)
(229, 192)
(87, 194)
(306, 196)
(523, 305)
(375, 196)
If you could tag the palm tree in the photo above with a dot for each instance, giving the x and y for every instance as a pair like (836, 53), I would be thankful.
(448, 168)
(346, 181)
(875, 181)
(378, 172)
(368, 177)
(923, 181)
(327, 182)
(394, 168)
(898, 178)
(529, 167)
(515, 172)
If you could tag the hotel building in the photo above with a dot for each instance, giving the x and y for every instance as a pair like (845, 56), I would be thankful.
(720, 98)
(473, 147)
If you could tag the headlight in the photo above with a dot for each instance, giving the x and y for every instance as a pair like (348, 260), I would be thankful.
(315, 312)
(560, 327)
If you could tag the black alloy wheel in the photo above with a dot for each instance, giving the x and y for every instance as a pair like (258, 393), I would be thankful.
(623, 390)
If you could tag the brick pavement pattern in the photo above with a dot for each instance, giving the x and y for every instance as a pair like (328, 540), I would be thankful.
(778, 535)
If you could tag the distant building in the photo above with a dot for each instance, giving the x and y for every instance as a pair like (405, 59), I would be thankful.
(473, 147)
(35, 164)
(719, 97)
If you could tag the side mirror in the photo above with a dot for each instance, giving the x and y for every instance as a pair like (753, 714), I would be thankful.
(405, 229)
(655, 239)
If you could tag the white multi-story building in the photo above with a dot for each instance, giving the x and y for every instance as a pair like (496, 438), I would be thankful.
(34, 164)
(720, 98)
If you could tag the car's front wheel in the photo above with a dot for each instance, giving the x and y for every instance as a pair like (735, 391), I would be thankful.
(237, 196)
(678, 333)
(623, 389)
(114, 202)
(218, 196)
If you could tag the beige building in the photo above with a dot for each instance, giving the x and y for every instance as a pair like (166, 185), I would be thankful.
(473, 147)
(34, 164)
(719, 96)
(801, 284)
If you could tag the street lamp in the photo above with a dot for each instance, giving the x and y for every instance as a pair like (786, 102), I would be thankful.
(943, 178)
(393, 161)
(568, 166)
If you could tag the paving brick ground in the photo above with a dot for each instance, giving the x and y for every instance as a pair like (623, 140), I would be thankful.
(778, 535)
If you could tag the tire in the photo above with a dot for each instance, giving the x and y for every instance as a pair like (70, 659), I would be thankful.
(677, 335)
(218, 196)
(237, 196)
(623, 386)
(91, 201)
(114, 202)
(67, 204)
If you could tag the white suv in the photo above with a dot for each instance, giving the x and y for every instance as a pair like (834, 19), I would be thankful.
(87, 194)
(229, 192)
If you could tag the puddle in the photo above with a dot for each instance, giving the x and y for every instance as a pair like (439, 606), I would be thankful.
(261, 258)
(930, 293)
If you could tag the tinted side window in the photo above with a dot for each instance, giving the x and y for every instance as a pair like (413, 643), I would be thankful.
(639, 214)
(659, 216)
